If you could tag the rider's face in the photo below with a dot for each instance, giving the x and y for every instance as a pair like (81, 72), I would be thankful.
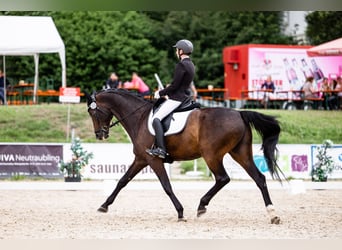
(178, 53)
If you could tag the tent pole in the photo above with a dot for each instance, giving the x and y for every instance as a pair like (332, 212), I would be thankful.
(36, 77)
(62, 58)
(4, 71)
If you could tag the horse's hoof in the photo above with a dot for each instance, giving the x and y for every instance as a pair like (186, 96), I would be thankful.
(201, 211)
(102, 210)
(182, 219)
(275, 220)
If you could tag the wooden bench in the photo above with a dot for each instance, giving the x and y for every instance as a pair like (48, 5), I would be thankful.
(230, 102)
(252, 102)
(209, 100)
(312, 103)
(27, 97)
(13, 97)
(47, 95)
(277, 103)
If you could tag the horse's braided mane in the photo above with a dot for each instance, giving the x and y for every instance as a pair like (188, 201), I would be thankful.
(125, 92)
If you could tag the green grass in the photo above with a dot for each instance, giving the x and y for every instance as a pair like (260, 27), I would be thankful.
(307, 127)
(48, 123)
(189, 166)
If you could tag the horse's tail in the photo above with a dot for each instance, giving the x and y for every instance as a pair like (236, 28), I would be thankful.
(268, 128)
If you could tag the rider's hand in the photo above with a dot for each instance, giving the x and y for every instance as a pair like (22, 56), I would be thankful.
(156, 94)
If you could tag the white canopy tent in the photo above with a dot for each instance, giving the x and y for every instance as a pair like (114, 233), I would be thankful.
(31, 36)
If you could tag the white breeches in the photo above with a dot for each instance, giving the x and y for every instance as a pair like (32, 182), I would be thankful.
(166, 108)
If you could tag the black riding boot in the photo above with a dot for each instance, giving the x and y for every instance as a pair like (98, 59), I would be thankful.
(160, 149)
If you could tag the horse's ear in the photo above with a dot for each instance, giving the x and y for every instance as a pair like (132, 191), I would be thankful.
(90, 98)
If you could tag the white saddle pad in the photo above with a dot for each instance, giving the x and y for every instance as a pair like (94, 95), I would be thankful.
(177, 124)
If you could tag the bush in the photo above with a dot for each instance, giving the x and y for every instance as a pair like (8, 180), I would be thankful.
(325, 163)
(80, 158)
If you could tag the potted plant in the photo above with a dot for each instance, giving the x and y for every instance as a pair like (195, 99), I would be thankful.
(325, 164)
(80, 158)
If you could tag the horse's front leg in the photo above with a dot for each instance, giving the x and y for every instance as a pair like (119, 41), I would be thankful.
(132, 171)
(159, 169)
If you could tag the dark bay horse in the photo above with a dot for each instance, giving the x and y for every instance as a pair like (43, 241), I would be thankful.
(210, 133)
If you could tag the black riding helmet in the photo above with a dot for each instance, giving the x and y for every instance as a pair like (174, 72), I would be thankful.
(184, 45)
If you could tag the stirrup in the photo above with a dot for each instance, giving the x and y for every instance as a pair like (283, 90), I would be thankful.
(156, 152)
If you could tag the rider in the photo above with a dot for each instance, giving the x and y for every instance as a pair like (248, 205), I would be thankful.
(174, 94)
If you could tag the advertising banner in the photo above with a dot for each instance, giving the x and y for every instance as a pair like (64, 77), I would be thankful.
(111, 161)
(30, 160)
(290, 67)
(295, 161)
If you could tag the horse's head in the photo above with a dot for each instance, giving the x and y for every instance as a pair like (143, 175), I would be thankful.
(101, 117)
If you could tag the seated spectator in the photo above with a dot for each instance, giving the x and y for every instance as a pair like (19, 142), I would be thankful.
(2, 87)
(308, 88)
(139, 84)
(339, 88)
(113, 82)
(332, 99)
(326, 95)
(267, 85)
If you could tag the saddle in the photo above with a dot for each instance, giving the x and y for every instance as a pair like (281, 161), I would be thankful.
(176, 120)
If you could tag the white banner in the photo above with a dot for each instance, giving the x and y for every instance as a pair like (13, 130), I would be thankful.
(111, 161)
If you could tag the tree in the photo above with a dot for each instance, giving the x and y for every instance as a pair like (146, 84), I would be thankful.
(99, 42)
(210, 32)
(323, 26)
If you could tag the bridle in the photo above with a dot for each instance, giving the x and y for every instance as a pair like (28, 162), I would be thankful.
(94, 106)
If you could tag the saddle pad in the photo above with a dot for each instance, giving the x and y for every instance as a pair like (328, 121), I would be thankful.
(178, 122)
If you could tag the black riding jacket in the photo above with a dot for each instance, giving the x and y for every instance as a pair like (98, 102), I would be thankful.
(183, 76)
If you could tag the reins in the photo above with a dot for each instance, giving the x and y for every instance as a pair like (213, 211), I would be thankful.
(123, 118)
(93, 105)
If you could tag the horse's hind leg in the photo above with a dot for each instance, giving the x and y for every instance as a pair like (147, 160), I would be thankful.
(132, 171)
(245, 159)
(221, 179)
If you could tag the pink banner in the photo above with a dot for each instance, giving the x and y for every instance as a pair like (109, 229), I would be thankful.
(290, 67)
